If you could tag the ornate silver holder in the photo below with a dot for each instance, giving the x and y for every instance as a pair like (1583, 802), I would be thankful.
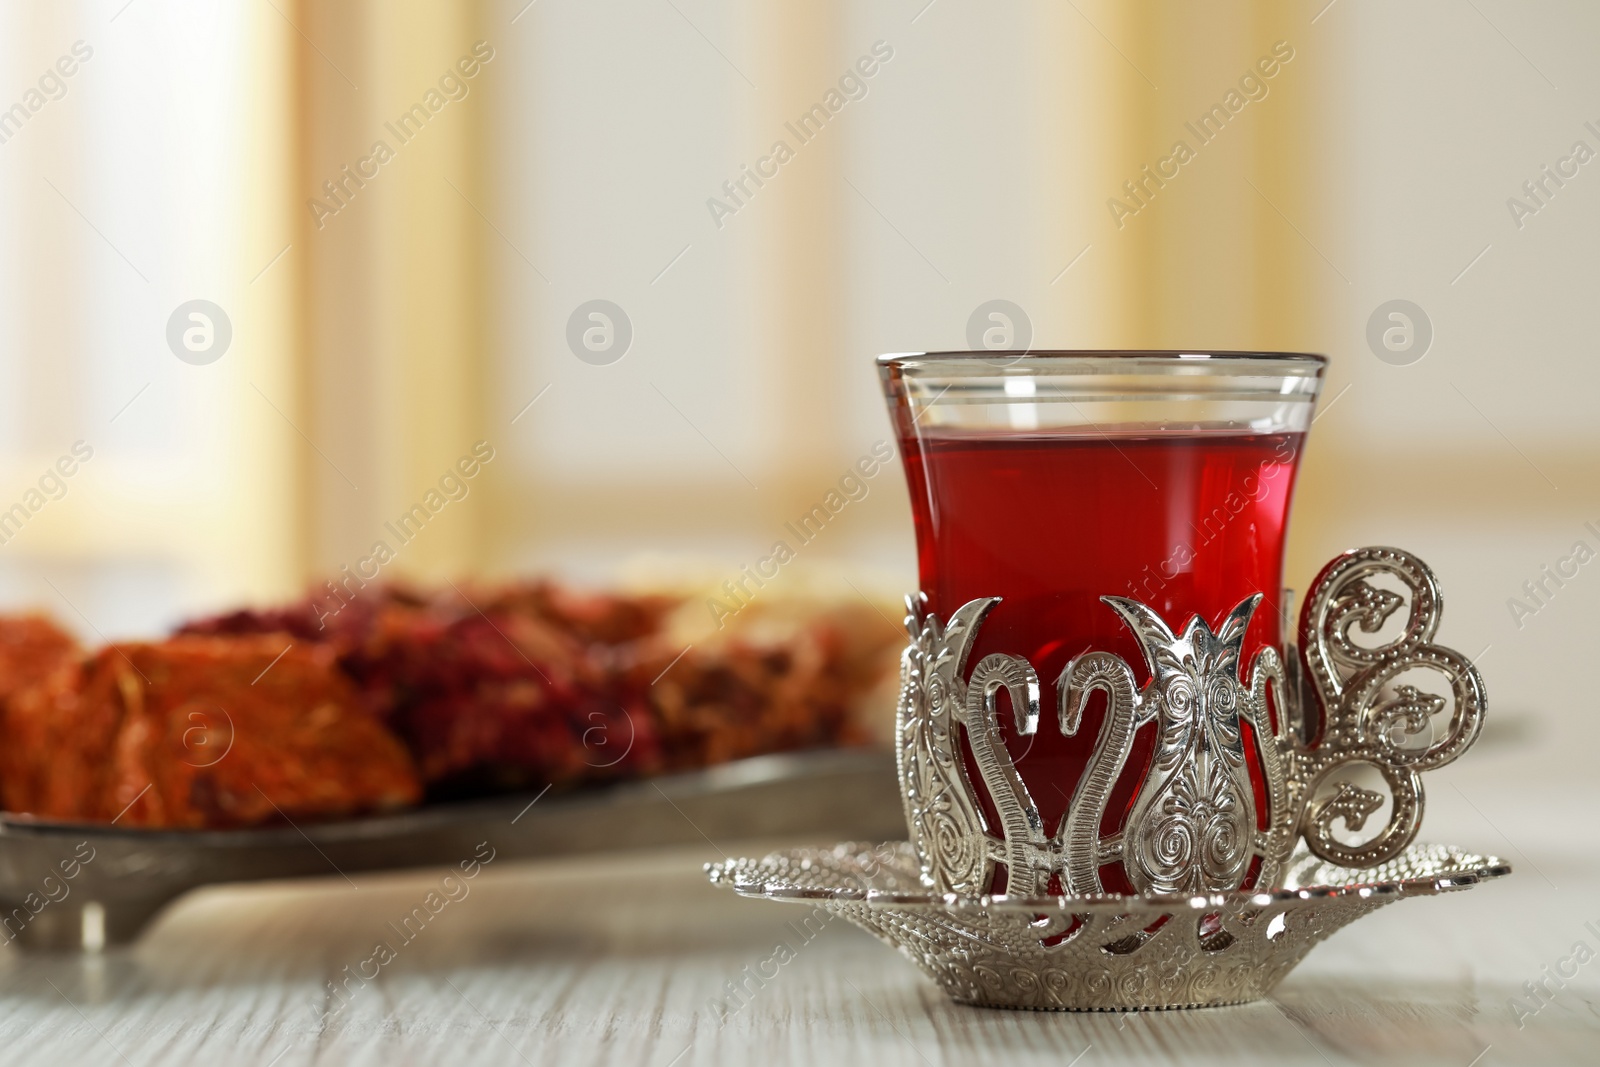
(1229, 898)
(1098, 953)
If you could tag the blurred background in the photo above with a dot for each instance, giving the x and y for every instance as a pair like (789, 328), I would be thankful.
(399, 217)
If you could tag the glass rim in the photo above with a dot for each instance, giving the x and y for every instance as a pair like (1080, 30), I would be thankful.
(1044, 390)
(999, 359)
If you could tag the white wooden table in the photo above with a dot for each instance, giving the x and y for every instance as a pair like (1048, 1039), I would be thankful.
(616, 961)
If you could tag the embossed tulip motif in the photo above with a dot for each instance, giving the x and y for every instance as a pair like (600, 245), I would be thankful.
(1196, 813)
(1194, 826)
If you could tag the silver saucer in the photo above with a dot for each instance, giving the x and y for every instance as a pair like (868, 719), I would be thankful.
(1101, 952)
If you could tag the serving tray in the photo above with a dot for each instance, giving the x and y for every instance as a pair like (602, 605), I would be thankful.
(87, 885)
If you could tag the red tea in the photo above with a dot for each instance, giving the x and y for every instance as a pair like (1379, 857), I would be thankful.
(1187, 523)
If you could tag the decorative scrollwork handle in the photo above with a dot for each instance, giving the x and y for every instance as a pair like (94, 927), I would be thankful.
(1360, 726)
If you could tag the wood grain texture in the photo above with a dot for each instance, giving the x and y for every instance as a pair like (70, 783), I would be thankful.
(621, 961)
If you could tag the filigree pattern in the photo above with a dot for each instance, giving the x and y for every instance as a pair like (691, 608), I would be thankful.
(942, 812)
(1191, 936)
(1193, 827)
(1098, 953)
(947, 825)
(1362, 723)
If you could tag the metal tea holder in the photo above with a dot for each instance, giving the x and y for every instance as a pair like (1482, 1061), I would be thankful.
(1223, 909)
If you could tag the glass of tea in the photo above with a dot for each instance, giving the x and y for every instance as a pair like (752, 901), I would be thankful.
(1052, 479)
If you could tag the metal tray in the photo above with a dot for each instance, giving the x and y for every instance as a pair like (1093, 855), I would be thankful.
(89, 885)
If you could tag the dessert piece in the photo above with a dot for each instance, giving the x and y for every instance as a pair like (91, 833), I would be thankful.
(499, 699)
(31, 647)
(792, 675)
(522, 693)
(201, 732)
(592, 617)
(40, 666)
(330, 707)
(532, 684)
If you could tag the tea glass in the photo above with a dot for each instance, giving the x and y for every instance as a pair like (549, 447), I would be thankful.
(1053, 479)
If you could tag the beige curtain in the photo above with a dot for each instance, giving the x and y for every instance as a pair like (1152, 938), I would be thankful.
(389, 193)
(393, 285)
(1234, 250)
